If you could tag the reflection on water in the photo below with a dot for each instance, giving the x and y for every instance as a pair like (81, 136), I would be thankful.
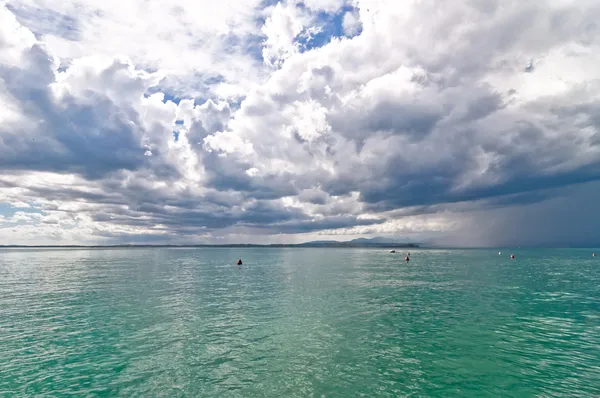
(298, 322)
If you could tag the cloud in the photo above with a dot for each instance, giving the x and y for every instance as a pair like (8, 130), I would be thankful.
(190, 44)
(329, 6)
(351, 23)
(246, 120)
(281, 29)
(420, 137)
(566, 218)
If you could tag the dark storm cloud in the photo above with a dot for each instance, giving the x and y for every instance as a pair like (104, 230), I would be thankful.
(271, 218)
(335, 222)
(182, 212)
(92, 138)
(403, 118)
(436, 188)
(313, 196)
(414, 117)
(523, 155)
(569, 219)
(229, 174)
(520, 170)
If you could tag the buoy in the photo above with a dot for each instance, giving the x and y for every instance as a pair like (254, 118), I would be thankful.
(512, 256)
(407, 259)
(239, 262)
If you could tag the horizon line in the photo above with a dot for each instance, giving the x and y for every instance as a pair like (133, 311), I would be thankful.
(332, 245)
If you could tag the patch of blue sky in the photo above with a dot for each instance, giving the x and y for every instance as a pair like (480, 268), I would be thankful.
(269, 3)
(249, 44)
(166, 95)
(178, 125)
(330, 27)
(201, 87)
(260, 21)
(7, 210)
(236, 104)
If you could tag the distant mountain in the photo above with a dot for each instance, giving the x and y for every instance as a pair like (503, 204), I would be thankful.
(374, 240)
(359, 242)
(319, 242)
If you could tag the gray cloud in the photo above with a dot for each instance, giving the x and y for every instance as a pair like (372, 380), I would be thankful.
(442, 119)
(569, 218)
(300, 226)
(43, 21)
(92, 138)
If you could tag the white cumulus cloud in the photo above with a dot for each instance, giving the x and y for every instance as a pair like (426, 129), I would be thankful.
(197, 121)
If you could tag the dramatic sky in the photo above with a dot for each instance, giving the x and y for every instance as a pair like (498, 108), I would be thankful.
(465, 122)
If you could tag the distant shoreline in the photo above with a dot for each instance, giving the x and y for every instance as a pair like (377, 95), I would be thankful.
(233, 245)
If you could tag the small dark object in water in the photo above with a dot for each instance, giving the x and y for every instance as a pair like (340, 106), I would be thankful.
(407, 259)
(239, 262)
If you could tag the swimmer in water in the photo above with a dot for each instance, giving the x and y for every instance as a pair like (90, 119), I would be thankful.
(239, 262)
(407, 259)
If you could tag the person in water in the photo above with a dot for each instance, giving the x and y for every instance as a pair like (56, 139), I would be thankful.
(239, 262)
(407, 259)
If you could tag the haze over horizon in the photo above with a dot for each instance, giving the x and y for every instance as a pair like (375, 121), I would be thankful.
(464, 123)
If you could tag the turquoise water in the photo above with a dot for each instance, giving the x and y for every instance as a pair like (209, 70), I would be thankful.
(299, 323)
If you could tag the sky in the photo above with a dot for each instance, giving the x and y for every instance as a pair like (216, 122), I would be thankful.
(467, 123)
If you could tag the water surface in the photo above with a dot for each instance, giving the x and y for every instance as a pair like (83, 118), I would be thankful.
(299, 323)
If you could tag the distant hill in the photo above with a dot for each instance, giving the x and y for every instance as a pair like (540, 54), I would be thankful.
(359, 242)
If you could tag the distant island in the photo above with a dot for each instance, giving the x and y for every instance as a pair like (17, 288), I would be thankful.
(355, 243)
